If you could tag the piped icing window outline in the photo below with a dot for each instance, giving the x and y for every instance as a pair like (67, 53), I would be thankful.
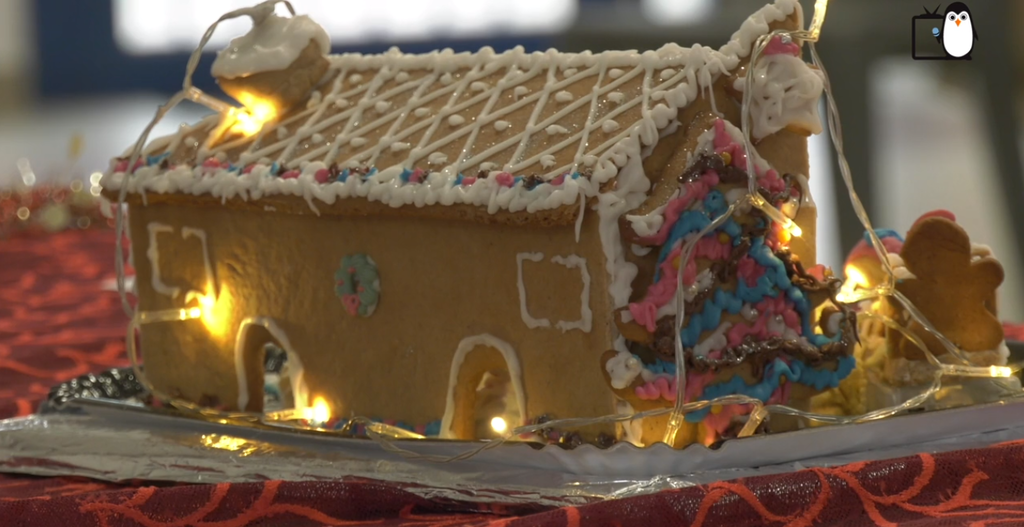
(153, 255)
(586, 315)
(572, 261)
(524, 311)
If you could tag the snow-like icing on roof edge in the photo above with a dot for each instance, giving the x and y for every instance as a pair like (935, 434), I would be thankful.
(399, 185)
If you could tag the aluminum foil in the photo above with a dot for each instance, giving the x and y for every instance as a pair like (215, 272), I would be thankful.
(122, 440)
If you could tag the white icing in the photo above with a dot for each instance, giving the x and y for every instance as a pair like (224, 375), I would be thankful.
(437, 158)
(519, 91)
(614, 73)
(640, 250)
(192, 232)
(421, 112)
(399, 146)
(979, 251)
(357, 141)
(401, 76)
(282, 133)
(610, 126)
(456, 120)
(315, 99)
(272, 44)
(563, 96)
(317, 138)
(622, 369)
(786, 93)
(777, 325)
(479, 86)
(832, 326)
(579, 217)
(382, 106)
(586, 315)
(501, 126)
(715, 341)
(340, 102)
(295, 370)
(556, 129)
(547, 161)
(153, 254)
(632, 430)
(899, 269)
(569, 72)
(749, 312)
(355, 78)
(524, 312)
(668, 73)
(514, 370)
(617, 97)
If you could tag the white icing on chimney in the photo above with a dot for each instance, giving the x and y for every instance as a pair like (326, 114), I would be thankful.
(272, 44)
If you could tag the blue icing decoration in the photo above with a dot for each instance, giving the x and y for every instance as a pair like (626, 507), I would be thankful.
(516, 180)
(274, 168)
(796, 371)
(882, 234)
(404, 176)
(153, 160)
(458, 180)
(575, 175)
(714, 203)
(343, 177)
(433, 429)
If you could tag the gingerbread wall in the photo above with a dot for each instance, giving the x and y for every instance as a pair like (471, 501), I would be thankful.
(442, 280)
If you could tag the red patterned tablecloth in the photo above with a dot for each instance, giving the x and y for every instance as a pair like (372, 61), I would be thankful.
(56, 323)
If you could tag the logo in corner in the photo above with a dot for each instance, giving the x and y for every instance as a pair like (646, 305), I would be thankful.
(949, 36)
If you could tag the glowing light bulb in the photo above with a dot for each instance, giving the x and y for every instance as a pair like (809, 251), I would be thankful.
(1000, 371)
(820, 7)
(499, 425)
(794, 229)
(257, 112)
(854, 279)
(320, 412)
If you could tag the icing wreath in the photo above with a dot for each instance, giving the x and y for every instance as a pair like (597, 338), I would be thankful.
(357, 284)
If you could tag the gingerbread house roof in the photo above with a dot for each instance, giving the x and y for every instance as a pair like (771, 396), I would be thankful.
(511, 131)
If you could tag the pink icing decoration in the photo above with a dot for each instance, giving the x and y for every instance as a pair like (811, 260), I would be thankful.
(122, 165)
(291, 174)
(767, 308)
(749, 270)
(777, 47)
(468, 181)
(351, 303)
(558, 180)
(505, 179)
(416, 176)
(661, 293)
(211, 163)
(248, 169)
(322, 175)
(768, 180)
(817, 271)
(692, 192)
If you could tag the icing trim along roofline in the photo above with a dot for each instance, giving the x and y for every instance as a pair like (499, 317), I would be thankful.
(569, 163)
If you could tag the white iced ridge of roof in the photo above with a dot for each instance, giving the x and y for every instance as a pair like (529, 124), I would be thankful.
(695, 69)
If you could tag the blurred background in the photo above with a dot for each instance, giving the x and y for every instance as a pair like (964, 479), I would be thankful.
(80, 79)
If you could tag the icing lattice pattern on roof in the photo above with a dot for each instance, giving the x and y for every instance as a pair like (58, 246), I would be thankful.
(528, 114)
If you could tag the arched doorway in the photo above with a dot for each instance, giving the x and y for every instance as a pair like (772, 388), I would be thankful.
(485, 384)
(253, 366)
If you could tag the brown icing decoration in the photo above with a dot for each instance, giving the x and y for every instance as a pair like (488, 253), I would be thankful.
(949, 289)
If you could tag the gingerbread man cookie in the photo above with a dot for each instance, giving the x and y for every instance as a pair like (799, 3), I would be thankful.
(953, 289)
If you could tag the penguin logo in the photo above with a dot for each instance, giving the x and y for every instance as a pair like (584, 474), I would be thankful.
(958, 33)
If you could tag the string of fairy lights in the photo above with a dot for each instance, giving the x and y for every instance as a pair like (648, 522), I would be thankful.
(386, 435)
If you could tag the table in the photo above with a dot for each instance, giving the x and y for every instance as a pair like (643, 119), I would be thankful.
(57, 322)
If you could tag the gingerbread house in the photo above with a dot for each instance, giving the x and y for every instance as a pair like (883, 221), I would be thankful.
(442, 239)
